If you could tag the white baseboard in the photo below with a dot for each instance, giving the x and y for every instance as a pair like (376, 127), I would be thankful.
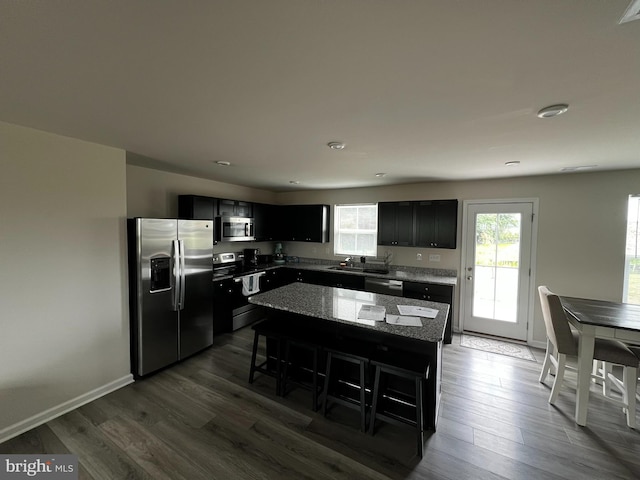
(537, 344)
(54, 412)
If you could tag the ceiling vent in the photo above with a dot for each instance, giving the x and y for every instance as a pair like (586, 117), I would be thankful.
(632, 13)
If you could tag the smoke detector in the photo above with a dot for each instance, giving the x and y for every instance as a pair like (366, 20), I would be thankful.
(632, 12)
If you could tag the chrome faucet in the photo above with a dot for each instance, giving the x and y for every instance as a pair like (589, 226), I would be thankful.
(349, 261)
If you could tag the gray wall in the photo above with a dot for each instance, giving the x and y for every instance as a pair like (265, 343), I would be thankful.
(64, 330)
(581, 229)
(63, 204)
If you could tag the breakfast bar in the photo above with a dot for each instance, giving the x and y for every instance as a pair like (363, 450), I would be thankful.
(334, 311)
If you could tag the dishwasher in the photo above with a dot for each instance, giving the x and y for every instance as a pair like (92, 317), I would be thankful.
(383, 285)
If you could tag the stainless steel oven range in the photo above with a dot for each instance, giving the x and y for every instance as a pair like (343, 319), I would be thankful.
(244, 285)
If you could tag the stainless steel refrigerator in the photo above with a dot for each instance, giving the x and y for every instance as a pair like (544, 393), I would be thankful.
(170, 290)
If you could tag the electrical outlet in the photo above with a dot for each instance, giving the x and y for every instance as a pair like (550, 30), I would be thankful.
(434, 258)
(419, 257)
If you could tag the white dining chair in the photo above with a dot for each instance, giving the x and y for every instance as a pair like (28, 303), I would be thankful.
(636, 350)
(562, 341)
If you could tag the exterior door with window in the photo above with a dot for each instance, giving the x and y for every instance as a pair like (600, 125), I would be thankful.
(497, 268)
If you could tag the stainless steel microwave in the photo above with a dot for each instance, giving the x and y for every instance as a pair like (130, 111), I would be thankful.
(234, 229)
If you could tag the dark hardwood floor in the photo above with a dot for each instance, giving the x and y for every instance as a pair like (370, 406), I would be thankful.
(201, 419)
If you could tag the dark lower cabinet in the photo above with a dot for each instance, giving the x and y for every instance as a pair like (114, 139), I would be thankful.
(399, 394)
(273, 278)
(305, 276)
(328, 279)
(433, 293)
(222, 306)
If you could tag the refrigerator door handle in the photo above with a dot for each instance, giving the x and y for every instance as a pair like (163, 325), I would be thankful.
(177, 287)
(183, 279)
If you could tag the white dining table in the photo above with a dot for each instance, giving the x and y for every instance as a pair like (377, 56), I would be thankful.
(602, 319)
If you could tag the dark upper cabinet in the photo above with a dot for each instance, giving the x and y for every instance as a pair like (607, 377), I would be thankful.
(427, 223)
(436, 223)
(266, 222)
(196, 207)
(304, 223)
(300, 223)
(395, 223)
(234, 208)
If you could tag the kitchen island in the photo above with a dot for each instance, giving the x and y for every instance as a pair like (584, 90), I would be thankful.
(335, 311)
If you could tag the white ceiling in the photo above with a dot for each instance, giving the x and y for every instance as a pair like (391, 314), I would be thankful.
(424, 90)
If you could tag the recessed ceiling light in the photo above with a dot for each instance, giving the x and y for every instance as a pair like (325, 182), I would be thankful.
(380, 174)
(222, 163)
(512, 163)
(553, 110)
(294, 182)
(336, 145)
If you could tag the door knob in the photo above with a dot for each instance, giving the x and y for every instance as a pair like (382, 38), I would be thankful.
(469, 277)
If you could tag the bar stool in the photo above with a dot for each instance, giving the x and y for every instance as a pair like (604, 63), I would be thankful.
(302, 341)
(386, 399)
(272, 332)
(336, 382)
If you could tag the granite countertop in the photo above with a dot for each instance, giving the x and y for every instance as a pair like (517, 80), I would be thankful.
(407, 274)
(342, 305)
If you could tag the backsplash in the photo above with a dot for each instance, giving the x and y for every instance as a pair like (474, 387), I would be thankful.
(439, 272)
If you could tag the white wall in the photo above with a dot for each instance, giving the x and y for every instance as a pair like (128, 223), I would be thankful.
(154, 193)
(581, 229)
(64, 330)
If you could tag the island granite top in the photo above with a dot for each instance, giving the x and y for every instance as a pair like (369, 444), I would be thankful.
(342, 306)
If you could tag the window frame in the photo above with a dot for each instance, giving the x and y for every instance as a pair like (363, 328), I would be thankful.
(633, 239)
(337, 231)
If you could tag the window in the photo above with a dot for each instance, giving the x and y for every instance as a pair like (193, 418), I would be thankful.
(356, 230)
(632, 255)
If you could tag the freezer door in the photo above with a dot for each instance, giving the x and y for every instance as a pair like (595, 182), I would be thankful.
(153, 315)
(196, 314)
